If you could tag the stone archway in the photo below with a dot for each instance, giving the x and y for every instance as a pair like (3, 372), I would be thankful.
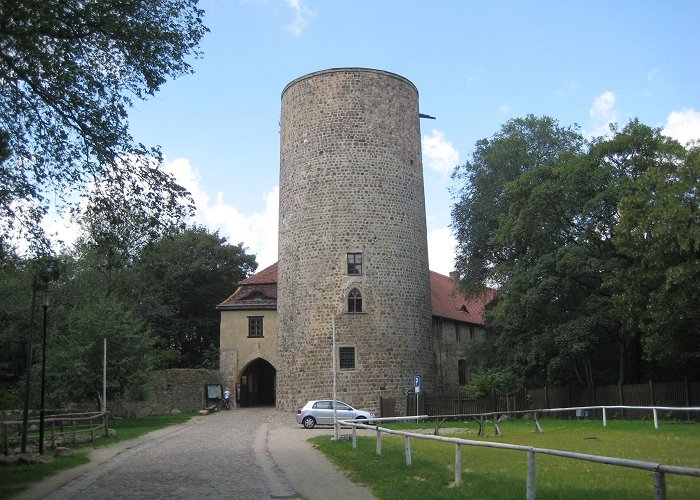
(258, 384)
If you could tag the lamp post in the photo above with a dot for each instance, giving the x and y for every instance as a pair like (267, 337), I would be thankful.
(45, 305)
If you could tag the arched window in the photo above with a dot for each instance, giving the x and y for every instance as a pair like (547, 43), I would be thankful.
(354, 301)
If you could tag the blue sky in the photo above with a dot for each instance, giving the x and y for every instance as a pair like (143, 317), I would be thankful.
(475, 64)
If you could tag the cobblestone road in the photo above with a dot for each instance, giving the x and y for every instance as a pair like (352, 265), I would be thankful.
(224, 455)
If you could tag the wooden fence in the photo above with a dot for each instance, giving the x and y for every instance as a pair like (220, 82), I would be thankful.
(675, 394)
(62, 428)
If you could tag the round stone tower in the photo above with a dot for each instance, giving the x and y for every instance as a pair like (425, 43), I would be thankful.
(352, 240)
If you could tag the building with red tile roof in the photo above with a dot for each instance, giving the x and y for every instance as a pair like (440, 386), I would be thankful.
(249, 328)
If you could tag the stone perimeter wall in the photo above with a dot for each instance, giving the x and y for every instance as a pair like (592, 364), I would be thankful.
(351, 180)
(175, 389)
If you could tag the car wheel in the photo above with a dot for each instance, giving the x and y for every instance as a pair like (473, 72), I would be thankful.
(309, 422)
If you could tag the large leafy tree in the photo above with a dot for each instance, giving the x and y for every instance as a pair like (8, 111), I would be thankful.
(583, 284)
(521, 145)
(177, 281)
(69, 72)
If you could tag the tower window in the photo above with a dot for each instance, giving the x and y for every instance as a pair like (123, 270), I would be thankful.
(346, 357)
(354, 301)
(355, 263)
(255, 326)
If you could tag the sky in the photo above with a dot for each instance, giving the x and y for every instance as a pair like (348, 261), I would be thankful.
(475, 64)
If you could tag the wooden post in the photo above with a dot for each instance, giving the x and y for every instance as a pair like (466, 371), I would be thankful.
(622, 400)
(651, 393)
(354, 437)
(379, 442)
(458, 464)
(546, 397)
(53, 433)
(687, 397)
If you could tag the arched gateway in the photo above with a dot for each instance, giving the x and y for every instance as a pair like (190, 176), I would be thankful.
(257, 384)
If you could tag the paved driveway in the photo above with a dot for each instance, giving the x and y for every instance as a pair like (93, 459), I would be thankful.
(247, 453)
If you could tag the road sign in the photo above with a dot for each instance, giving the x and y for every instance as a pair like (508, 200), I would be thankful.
(417, 385)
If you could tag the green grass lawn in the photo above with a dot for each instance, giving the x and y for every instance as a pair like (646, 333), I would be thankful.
(16, 478)
(492, 473)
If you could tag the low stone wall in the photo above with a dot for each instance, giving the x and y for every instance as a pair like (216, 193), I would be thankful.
(168, 390)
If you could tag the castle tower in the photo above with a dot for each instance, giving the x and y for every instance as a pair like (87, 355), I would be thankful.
(352, 239)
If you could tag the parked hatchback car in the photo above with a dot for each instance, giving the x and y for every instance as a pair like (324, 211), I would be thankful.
(321, 412)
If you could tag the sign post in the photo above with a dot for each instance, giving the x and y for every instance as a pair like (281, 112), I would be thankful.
(417, 390)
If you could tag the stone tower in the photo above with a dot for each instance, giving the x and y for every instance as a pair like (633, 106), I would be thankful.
(352, 239)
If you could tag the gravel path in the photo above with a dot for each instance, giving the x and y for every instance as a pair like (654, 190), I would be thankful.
(246, 453)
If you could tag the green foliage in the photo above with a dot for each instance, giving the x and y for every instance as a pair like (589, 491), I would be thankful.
(69, 72)
(594, 250)
(484, 382)
(177, 282)
(157, 309)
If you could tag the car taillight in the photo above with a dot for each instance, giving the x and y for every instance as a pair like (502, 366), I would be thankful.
(299, 411)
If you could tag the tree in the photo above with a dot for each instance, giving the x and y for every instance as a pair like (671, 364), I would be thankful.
(75, 350)
(658, 236)
(69, 72)
(595, 253)
(177, 283)
(520, 145)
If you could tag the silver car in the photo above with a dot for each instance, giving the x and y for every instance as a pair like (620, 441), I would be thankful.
(321, 412)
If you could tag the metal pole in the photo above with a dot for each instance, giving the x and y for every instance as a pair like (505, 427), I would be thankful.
(407, 448)
(45, 305)
(25, 413)
(458, 464)
(659, 485)
(335, 409)
(531, 489)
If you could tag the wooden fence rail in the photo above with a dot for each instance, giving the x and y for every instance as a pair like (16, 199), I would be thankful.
(59, 427)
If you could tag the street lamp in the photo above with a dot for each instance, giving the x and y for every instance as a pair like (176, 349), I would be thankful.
(39, 282)
(45, 305)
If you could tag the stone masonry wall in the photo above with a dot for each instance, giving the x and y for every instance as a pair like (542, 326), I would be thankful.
(351, 180)
(175, 389)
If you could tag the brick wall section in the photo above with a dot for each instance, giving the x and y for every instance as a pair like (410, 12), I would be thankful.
(351, 180)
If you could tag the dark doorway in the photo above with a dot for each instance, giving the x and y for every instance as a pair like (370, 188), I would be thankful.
(257, 384)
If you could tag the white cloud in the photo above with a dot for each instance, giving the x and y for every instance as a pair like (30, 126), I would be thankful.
(302, 16)
(504, 109)
(441, 250)
(257, 231)
(684, 125)
(439, 154)
(602, 114)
